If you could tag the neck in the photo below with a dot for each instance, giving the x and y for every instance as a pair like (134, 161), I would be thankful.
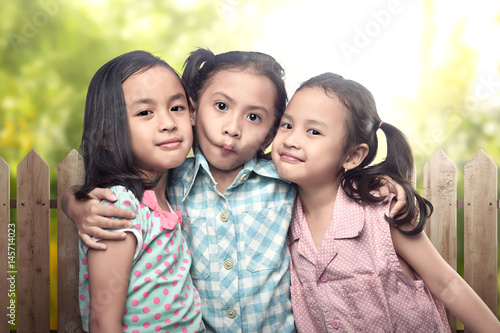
(159, 189)
(224, 178)
(318, 198)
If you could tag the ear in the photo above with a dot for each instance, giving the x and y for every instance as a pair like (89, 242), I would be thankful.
(193, 111)
(356, 156)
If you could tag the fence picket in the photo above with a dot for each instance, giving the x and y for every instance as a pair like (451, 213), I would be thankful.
(4, 225)
(33, 237)
(69, 172)
(440, 188)
(33, 222)
(480, 227)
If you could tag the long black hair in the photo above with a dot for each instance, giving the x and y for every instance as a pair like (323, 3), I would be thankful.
(201, 66)
(362, 123)
(105, 142)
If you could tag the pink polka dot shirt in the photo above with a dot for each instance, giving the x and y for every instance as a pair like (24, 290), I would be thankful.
(354, 282)
(160, 296)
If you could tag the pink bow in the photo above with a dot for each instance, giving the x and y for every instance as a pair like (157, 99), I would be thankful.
(167, 220)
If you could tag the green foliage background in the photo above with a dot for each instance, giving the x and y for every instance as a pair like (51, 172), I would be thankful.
(50, 49)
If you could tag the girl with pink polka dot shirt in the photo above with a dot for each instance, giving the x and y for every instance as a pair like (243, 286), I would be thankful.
(352, 267)
(137, 126)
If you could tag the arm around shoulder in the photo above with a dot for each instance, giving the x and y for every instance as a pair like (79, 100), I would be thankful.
(90, 217)
(444, 282)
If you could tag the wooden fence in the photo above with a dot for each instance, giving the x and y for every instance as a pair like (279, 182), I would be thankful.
(33, 204)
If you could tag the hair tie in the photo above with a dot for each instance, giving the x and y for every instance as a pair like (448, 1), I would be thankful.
(380, 125)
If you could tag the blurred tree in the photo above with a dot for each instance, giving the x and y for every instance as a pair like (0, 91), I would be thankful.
(53, 47)
(455, 106)
(456, 109)
(50, 49)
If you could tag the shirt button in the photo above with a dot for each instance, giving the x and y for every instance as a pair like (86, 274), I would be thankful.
(335, 324)
(228, 264)
(324, 278)
(244, 178)
(224, 216)
(231, 313)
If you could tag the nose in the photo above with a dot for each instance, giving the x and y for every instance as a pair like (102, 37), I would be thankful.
(232, 127)
(291, 140)
(166, 122)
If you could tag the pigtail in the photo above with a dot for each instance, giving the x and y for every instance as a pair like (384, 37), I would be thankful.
(195, 68)
(358, 183)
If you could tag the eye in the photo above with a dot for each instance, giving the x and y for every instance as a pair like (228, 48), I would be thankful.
(144, 113)
(253, 117)
(177, 108)
(313, 132)
(221, 106)
(286, 126)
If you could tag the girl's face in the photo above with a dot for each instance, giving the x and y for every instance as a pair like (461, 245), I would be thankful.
(159, 120)
(308, 147)
(234, 116)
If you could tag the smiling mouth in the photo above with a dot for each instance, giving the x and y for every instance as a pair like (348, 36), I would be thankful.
(290, 158)
(170, 144)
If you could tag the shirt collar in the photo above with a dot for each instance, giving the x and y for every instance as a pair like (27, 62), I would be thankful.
(262, 167)
(348, 218)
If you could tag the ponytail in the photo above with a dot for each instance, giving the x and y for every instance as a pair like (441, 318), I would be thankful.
(398, 164)
(196, 67)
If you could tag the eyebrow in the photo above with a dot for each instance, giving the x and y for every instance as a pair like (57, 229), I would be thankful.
(231, 100)
(151, 101)
(177, 96)
(308, 121)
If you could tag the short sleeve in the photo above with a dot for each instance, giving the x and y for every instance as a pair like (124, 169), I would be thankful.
(127, 200)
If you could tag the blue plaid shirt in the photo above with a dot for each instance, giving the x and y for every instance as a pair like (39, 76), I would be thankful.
(238, 244)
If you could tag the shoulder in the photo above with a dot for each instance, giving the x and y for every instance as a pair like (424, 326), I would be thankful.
(186, 168)
(267, 169)
(126, 199)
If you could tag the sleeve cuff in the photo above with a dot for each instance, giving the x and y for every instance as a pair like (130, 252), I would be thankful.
(136, 233)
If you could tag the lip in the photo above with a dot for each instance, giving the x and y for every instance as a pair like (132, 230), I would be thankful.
(289, 157)
(172, 143)
(227, 148)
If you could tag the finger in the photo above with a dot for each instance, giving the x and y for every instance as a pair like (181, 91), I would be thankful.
(397, 207)
(111, 211)
(87, 240)
(400, 193)
(109, 235)
(107, 223)
(103, 193)
(415, 217)
(384, 191)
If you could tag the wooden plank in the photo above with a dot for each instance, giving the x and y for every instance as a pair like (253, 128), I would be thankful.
(7, 233)
(440, 188)
(480, 228)
(33, 223)
(69, 172)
